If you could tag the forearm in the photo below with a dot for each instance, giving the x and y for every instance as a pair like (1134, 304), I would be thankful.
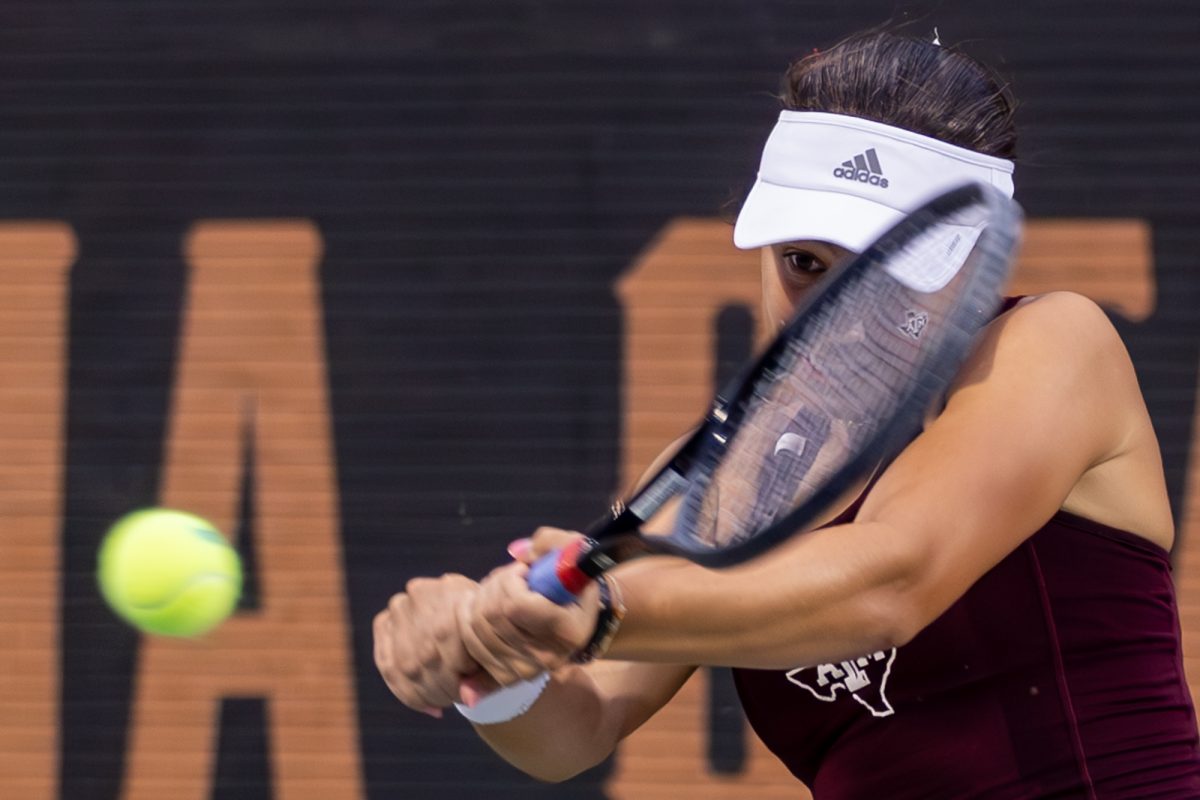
(565, 732)
(830, 594)
(581, 716)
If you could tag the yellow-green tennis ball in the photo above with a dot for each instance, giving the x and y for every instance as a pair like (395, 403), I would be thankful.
(169, 572)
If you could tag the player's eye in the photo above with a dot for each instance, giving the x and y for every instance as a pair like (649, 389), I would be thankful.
(802, 263)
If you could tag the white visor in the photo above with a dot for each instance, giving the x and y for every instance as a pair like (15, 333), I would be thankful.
(846, 180)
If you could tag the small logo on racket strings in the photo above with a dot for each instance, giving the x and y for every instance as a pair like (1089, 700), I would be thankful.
(790, 443)
(863, 168)
(864, 679)
(914, 324)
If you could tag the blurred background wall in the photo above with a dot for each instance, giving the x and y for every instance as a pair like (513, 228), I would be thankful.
(379, 286)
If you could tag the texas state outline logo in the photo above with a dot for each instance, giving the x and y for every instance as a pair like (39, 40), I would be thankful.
(864, 678)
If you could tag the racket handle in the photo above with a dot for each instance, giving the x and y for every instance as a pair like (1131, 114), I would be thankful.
(557, 576)
(506, 703)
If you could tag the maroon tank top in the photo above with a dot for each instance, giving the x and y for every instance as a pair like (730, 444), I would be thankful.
(1058, 674)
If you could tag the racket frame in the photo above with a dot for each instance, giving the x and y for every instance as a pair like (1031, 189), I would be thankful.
(616, 537)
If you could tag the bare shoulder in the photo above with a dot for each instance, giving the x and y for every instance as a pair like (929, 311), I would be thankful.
(1060, 350)
(1070, 310)
(1046, 415)
(1060, 346)
(1062, 324)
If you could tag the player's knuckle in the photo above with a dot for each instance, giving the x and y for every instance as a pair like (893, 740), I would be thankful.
(381, 638)
(418, 586)
(545, 534)
(383, 660)
(446, 633)
(456, 580)
(407, 667)
(398, 604)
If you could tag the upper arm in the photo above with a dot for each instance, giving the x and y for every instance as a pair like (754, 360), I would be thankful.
(1042, 399)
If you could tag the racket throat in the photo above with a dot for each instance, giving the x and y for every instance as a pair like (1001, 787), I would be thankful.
(604, 554)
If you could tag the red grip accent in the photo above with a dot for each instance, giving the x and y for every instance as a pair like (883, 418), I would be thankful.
(569, 575)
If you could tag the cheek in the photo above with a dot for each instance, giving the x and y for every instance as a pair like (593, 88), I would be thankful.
(776, 302)
(779, 297)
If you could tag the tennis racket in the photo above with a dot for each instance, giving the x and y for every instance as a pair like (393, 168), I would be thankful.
(842, 388)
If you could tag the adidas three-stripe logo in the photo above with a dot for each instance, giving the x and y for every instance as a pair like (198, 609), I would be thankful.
(863, 168)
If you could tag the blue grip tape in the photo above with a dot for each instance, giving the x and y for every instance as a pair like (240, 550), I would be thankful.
(543, 579)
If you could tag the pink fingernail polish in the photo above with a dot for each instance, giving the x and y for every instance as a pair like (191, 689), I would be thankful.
(436, 713)
(519, 548)
(469, 694)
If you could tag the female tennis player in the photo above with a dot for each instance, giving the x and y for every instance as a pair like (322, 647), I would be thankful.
(993, 616)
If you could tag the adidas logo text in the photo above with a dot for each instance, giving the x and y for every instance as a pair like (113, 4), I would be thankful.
(863, 168)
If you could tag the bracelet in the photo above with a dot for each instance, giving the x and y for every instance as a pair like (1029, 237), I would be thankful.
(608, 621)
(506, 703)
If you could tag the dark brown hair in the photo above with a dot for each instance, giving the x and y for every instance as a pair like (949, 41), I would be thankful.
(908, 83)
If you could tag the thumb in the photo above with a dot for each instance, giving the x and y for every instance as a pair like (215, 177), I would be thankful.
(546, 540)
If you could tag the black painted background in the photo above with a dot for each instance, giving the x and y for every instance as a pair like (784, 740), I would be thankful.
(482, 171)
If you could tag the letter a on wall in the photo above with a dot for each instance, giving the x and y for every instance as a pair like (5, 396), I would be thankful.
(252, 363)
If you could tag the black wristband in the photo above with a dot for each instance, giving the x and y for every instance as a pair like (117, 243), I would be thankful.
(608, 621)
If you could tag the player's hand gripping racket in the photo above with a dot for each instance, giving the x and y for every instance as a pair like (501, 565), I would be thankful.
(841, 390)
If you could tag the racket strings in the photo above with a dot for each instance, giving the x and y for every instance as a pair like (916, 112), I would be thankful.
(827, 393)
